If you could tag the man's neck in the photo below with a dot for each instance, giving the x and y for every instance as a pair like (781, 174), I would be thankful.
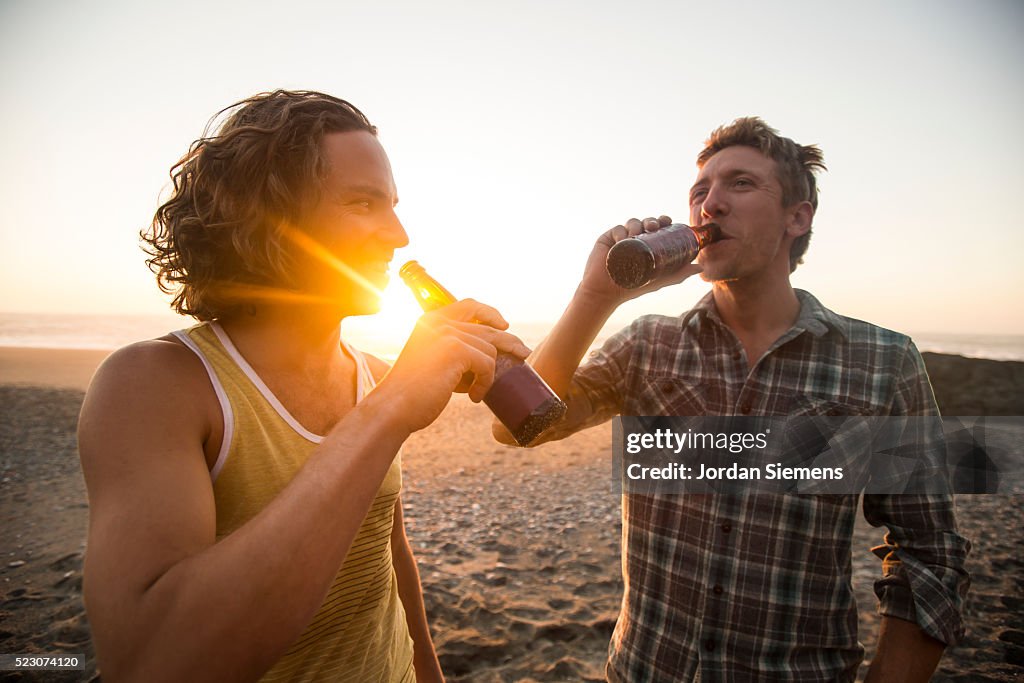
(758, 311)
(286, 338)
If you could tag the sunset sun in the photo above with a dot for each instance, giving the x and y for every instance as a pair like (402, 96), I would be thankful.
(384, 333)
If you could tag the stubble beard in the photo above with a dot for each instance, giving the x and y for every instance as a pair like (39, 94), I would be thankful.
(718, 278)
(721, 273)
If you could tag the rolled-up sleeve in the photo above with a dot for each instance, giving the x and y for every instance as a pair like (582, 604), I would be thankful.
(923, 576)
(924, 579)
(598, 386)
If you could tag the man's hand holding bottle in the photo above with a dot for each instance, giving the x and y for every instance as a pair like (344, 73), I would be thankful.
(598, 287)
(446, 344)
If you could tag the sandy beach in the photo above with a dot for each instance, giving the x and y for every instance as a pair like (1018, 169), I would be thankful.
(518, 550)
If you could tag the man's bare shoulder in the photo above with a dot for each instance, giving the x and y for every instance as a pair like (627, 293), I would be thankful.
(163, 364)
(156, 381)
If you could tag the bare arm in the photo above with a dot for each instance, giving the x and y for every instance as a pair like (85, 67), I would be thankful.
(556, 359)
(168, 602)
(428, 669)
(409, 587)
(597, 296)
(906, 654)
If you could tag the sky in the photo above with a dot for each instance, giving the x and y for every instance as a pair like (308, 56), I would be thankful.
(518, 132)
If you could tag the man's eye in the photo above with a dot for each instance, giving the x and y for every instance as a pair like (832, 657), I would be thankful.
(742, 181)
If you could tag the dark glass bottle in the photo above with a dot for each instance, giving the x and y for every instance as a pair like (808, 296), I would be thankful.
(519, 397)
(635, 261)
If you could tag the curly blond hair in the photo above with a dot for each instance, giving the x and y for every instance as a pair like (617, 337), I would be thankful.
(222, 230)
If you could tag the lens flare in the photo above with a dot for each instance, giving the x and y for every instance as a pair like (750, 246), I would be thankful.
(321, 253)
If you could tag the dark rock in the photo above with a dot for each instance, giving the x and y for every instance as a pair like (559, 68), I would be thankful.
(976, 386)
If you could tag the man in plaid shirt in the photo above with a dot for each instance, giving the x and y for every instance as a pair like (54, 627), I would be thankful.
(757, 586)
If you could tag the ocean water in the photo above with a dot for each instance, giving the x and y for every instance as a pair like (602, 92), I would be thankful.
(993, 346)
(80, 331)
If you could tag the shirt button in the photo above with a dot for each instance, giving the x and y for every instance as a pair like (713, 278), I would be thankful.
(717, 590)
(669, 387)
(737, 355)
(746, 408)
(709, 645)
(727, 527)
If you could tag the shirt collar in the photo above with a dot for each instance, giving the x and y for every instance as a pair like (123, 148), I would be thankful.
(813, 318)
(817, 319)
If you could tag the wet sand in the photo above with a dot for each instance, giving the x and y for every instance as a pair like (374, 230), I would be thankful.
(519, 550)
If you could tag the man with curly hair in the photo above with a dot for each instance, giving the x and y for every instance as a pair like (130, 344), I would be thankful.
(756, 587)
(244, 481)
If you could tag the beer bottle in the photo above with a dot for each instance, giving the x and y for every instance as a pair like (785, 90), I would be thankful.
(635, 261)
(519, 397)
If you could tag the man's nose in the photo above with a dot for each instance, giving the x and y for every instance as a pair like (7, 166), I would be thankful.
(394, 232)
(713, 205)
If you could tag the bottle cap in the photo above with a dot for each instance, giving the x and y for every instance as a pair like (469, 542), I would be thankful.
(408, 268)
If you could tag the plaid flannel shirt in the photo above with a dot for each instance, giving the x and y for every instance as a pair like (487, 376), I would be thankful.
(758, 586)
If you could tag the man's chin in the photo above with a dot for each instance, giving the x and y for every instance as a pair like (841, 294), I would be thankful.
(715, 276)
(364, 310)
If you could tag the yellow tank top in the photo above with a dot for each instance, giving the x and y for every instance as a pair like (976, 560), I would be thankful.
(359, 633)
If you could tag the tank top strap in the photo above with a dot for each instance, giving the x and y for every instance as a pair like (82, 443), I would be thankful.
(365, 381)
(207, 352)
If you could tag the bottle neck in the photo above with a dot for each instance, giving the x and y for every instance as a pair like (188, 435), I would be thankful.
(429, 292)
(707, 233)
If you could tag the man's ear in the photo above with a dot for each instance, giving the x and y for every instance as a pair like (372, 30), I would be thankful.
(800, 217)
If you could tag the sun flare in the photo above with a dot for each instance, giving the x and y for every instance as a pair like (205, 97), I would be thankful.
(383, 334)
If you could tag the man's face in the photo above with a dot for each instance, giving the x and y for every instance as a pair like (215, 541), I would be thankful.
(737, 188)
(355, 223)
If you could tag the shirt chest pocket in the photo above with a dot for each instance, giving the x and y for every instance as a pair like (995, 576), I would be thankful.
(828, 431)
(665, 395)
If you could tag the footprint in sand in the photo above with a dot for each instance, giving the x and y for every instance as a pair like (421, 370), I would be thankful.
(595, 588)
(528, 613)
(563, 632)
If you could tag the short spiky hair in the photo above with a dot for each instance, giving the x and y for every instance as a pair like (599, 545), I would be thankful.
(795, 165)
(235, 189)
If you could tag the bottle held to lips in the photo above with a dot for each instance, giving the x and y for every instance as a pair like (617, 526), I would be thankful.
(635, 261)
(519, 397)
